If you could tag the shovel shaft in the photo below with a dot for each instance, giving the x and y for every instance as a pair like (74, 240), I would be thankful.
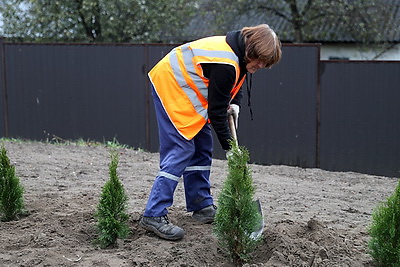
(232, 128)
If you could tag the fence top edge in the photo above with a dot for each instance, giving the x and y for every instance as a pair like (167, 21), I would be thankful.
(86, 44)
(338, 61)
(135, 44)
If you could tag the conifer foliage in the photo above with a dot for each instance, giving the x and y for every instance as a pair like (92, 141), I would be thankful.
(237, 214)
(11, 191)
(384, 244)
(111, 211)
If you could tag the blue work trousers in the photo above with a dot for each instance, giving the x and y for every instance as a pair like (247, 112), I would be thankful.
(179, 157)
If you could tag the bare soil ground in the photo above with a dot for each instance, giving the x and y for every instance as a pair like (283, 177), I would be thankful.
(313, 217)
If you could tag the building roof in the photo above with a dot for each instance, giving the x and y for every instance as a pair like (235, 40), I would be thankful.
(328, 32)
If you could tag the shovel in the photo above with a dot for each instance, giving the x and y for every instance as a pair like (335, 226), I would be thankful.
(260, 225)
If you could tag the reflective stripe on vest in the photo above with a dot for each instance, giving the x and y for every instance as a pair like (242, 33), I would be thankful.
(181, 86)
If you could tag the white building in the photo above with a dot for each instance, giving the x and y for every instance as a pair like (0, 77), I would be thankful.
(350, 51)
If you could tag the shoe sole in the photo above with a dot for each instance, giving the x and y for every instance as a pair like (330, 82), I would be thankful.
(155, 230)
(204, 220)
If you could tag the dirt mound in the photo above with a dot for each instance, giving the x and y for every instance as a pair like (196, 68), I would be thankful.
(313, 217)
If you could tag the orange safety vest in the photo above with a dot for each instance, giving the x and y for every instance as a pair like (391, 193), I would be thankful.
(181, 86)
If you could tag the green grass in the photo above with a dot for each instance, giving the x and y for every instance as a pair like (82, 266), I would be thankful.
(114, 143)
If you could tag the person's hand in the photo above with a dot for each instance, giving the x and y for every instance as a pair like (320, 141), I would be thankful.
(233, 110)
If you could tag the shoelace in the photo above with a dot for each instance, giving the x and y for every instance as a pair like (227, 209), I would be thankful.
(165, 218)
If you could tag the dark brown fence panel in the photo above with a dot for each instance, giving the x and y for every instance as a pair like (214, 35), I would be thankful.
(76, 91)
(349, 122)
(3, 95)
(360, 117)
(284, 101)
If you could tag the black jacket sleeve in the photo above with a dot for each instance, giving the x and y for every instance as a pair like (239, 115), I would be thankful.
(221, 81)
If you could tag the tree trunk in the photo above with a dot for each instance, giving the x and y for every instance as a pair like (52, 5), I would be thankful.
(297, 21)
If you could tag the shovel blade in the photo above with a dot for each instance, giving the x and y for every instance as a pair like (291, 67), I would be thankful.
(260, 225)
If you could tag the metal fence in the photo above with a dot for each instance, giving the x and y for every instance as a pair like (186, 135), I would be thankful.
(360, 117)
(341, 116)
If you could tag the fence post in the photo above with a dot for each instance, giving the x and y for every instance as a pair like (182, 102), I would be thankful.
(318, 110)
(147, 95)
(3, 86)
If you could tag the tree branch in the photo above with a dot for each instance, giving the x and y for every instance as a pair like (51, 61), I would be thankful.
(87, 29)
(307, 7)
(274, 10)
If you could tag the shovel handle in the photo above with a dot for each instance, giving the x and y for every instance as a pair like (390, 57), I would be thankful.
(232, 128)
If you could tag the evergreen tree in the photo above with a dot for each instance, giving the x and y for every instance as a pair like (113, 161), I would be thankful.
(384, 244)
(111, 211)
(11, 191)
(4, 162)
(237, 214)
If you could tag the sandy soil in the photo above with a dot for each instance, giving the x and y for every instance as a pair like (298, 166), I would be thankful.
(313, 217)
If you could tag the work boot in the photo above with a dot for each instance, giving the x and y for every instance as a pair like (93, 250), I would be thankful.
(162, 227)
(205, 215)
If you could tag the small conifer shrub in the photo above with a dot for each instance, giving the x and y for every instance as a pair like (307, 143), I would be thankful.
(237, 214)
(111, 211)
(384, 244)
(11, 191)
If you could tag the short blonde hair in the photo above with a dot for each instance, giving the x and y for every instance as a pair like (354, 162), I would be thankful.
(263, 44)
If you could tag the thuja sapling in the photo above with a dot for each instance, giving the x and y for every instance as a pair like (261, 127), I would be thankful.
(237, 214)
(111, 211)
(4, 161)
(384, 244)
(11, 190)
